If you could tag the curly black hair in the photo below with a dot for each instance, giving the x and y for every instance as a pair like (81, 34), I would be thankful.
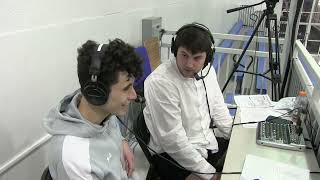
(115, 57)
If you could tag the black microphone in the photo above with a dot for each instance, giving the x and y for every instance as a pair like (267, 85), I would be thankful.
(197, 77)
(140, 99)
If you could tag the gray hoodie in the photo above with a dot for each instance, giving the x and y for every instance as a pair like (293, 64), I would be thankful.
(80, 149)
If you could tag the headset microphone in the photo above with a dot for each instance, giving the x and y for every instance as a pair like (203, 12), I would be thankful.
(140, 99)
(197, 77)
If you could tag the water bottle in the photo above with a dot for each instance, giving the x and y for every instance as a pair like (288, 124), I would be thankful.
(300, 108)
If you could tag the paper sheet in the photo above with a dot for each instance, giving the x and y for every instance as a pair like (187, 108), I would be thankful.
(254, 115)
(253, 101)
(286, 103)
(260, 114)
(265, 169)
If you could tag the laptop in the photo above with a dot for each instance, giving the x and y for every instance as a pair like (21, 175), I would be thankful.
(280, 133)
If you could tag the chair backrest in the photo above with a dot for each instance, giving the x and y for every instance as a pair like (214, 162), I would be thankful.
(46, 174)
(141, 130)
(142, 52)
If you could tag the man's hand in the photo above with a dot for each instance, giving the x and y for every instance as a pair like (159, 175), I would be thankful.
(128, 157)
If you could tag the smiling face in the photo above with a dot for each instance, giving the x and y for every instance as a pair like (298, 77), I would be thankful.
(188, 63)
(121, 94)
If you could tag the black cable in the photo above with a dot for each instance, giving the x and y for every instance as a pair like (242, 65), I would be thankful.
(257, 74)
(235, 61)
(235, 67)
(311, 127)
(254, 61)
(171, 162)
(251, 122)
(289, 60)
(271, 64)
(211, 118)
(256, 17)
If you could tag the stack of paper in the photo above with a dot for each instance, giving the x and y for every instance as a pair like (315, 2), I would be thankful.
(265, 169)
(256, 108)
(261, 101)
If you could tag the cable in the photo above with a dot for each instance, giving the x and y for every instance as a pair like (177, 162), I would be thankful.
(314, 172)
(173, 163)
(251, 122)
(254, 61)
(256, 17)
(289, 60)
(211, 119)
(311, 127)
(311, 131)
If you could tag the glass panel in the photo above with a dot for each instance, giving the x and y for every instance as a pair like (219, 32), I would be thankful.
(285, 5)
(317, 7)
(313, 47)
(301, 32)
(316, 17)
(307, 5)
(282, 30)
(305, 17)
(284, 16)
(314, 33)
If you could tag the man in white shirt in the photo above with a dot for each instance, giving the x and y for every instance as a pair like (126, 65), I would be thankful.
(182, 98)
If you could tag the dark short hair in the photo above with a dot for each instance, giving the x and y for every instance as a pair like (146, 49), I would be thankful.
(117, 56)
(193, 39)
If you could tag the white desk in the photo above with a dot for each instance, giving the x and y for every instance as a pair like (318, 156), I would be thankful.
(243, 142)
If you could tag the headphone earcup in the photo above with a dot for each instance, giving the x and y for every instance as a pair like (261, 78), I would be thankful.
(210, 57)
(95, 93)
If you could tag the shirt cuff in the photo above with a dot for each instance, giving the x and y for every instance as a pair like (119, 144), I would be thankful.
(206, 167)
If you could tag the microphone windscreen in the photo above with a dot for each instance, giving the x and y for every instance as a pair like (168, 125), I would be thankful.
(197, 77)
(140, 99)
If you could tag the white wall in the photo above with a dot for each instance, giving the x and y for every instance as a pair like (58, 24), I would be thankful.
(38, 42)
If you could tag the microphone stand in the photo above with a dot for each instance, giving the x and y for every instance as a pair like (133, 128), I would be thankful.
(274, 64)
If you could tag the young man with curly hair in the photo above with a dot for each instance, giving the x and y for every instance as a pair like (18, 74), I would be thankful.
(86, 142)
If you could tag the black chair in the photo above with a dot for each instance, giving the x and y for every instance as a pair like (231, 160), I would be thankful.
(46, 174)
(141, 130)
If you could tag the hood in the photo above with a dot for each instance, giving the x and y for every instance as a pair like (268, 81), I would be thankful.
(65, 119)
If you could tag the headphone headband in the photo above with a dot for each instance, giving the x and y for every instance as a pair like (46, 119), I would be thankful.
(99, 47)
(199, 26)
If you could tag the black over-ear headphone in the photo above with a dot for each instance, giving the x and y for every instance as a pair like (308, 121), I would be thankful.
(204, 28)
(94, 91)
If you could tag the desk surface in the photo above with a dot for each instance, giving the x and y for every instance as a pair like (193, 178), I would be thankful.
(243, 142)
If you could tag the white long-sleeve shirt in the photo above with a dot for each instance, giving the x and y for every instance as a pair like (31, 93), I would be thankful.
(177, 116)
